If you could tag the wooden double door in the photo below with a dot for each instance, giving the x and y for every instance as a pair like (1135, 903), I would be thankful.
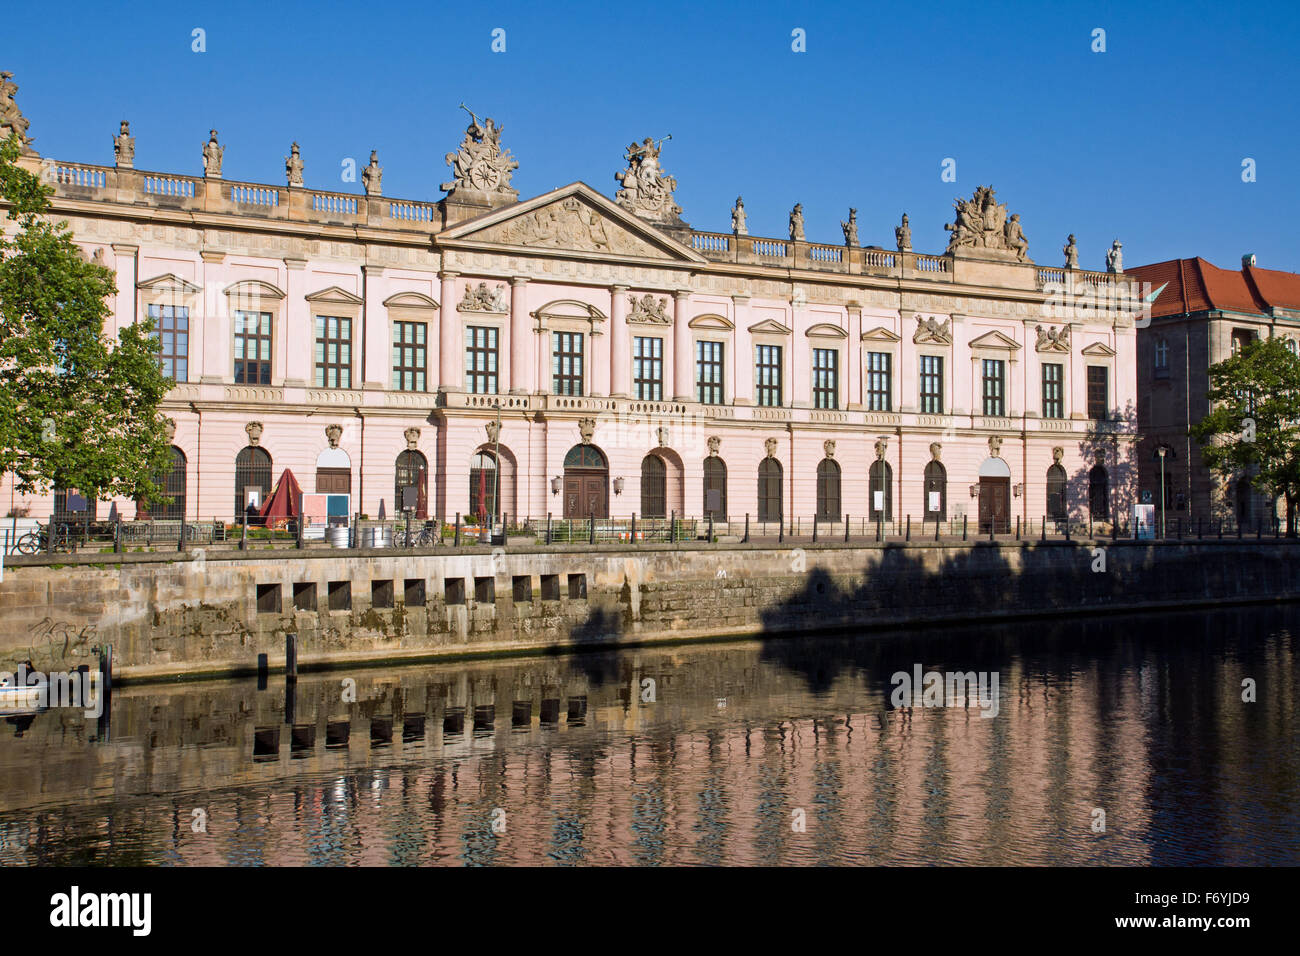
(586, 493)
(995, 505)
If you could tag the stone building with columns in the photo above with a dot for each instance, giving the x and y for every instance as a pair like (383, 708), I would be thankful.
(635, 364)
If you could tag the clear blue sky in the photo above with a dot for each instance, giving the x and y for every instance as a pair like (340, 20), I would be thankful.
(1143, 142)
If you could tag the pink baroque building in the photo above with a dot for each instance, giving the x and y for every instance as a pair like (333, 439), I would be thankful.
(634, 364)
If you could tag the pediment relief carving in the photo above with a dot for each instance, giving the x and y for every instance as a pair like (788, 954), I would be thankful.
(1052, 339)
(931, 331)
(570, 223)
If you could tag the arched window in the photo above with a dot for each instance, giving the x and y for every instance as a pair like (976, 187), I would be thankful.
(482, 486)
(828, 490)
(1056, 493)
(1293, 347)
(252, 477)
(769, 490)
(172, 484)
(936, 492)
(412, 471)
(1099, 494)
(715, 488)
(654, 487)
(881, 498)
(1162, 358)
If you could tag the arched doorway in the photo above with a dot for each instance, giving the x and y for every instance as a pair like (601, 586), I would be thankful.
(586, 483)
(995, 496)
(828, 490)
(936, 492)
(769, 490)
(1243, 501)
(881, 491)
(1099, 493)
(411, 471)
(252, 479)
(172, 484)
(484, 486)
(1056, 484)
(654, 487)
(715, 488)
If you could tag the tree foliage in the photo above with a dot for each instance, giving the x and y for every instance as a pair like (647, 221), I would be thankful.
(1253, 427)
(78, 408)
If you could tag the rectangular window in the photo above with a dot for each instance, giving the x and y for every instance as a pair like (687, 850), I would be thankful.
(172, 326)
(1053, 390)
(1240, 339)
(826, 378)
(252, 348)
(333, 352)
(767, 375)
(932, 384)
(410, 356)
(708, 373)
(995, 390)
(879, 386)
(648, 368)
(1098, 392)
(481, 360)
(566, 363)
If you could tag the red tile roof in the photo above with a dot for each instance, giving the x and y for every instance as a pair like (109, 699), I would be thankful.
(1194, 285)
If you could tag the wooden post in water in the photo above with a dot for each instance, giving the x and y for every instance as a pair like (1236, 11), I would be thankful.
(291, 657)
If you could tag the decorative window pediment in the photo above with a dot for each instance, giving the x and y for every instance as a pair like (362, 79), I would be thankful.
(1099, 349)
(879, 334)
(713, 322)
(570, 314)
(334, 295)
(1052, 339)
(169, 284)
(931, 331)
(769, 327)
(409, 300)
(825, 330)
(995, 340)
(253, 289)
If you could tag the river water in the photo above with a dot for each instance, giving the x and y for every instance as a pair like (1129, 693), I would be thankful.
(1116, 740)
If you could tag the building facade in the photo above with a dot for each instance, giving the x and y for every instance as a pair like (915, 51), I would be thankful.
(634, 364)
(1202, 315)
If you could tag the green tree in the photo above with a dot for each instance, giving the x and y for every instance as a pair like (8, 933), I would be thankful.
(78, 409)
(1254, 425)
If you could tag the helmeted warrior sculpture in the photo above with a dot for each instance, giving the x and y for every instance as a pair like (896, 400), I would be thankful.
(480, 164)
(647, 191)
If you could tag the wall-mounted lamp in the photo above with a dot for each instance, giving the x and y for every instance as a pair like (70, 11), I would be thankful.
(1019, 489)
(974, 491)
(618, 485)
(556, 483)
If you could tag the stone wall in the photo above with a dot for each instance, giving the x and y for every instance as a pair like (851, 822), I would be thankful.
(190, 614)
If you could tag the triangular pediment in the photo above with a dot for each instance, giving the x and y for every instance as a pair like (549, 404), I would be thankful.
(770, 326)
(170, 282)
(334, 294)
(573, 217)
(1099, 349)
(879, 334)
(995, 340)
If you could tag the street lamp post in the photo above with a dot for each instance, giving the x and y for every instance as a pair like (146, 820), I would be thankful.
(496, 476)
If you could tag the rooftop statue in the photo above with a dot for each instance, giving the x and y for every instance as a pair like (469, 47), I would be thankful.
(903, 235)
(1115, 258)
(11, 117)
(480, 164)
(738, 218)
(212, 156)
(982, 224)
(850, 228)
(647, 191)
(796, 222)
(293, 166)
(124, 147)
(1071, 253)
(372, 176)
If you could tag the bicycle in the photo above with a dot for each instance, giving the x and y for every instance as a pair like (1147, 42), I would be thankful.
(35, 542)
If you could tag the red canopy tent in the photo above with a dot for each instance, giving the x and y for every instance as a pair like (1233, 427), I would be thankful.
(282, 505)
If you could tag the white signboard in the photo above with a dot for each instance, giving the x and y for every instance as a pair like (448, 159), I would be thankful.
(934, 500)
(878, 500)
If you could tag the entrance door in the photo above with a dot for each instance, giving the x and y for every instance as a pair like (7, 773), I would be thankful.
(586, 483)
(995, 505)
(333, 481)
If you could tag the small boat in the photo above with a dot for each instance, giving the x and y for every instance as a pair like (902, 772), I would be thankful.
(16, 698)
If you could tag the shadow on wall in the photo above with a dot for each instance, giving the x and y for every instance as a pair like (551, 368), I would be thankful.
(1102, 447)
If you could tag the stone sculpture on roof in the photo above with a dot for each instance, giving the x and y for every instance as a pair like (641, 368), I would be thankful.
(480, 165)
(647, 191)
(982, 227)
